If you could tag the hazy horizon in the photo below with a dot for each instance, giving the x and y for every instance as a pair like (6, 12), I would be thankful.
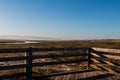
(61, 19)
(28, 37)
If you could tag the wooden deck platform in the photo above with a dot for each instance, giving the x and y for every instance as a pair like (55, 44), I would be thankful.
(84, 75)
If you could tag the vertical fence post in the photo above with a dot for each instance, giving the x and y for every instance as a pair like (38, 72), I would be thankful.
(29, 63)
(89, 57)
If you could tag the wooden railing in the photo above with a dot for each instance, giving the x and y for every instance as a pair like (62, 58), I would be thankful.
(96, 58)
(106, 59)
(27, 56)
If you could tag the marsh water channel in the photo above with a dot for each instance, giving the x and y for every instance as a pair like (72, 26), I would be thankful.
(23, 42)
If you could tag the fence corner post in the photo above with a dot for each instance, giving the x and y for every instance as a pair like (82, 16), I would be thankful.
(29, 63)
(89, 57)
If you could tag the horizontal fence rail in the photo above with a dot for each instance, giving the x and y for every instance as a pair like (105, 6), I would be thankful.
(39, 49)
(13, 58)
(13, 67)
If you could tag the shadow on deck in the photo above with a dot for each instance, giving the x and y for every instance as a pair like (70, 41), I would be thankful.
(81, 75)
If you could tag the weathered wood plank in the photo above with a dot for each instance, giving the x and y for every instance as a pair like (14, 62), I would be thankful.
(103, 57)
(107, 50)
(106, 61)
(12, 67)
(17, 50)
(58, 49)
(105, 53)
(13, 58)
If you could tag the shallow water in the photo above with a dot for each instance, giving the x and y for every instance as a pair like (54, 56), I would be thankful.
(26, 42)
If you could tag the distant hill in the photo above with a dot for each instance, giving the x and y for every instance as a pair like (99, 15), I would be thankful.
(16, 37)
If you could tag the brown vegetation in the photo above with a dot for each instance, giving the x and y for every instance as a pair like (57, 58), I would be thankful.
(61, 44)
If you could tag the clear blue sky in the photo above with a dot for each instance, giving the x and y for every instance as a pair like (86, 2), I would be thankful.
(64, 19)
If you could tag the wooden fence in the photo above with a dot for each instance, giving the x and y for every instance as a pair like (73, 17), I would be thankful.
(28, 58)
(97, 58)
(106, 59)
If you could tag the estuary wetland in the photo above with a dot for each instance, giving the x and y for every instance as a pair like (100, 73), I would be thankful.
(107, 43)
